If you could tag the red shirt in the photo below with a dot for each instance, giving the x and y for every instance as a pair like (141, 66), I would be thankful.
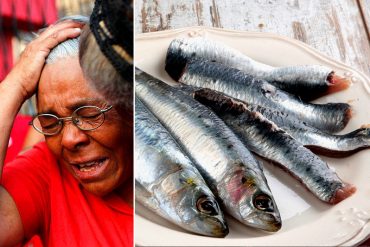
(52, 203)
(17, 137)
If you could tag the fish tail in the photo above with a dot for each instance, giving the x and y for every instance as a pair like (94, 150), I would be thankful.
(350, 143)
(362, 132)
(360, 136)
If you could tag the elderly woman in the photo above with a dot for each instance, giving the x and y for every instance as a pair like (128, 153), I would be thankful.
(76, 187)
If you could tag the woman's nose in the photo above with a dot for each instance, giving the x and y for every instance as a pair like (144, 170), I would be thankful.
(73, 138)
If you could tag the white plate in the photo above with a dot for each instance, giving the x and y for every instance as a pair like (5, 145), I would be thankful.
(306, 220)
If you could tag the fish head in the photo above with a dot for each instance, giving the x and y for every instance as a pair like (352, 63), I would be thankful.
(260, 211)
(252, 200)
(202, 212)
(210, 213)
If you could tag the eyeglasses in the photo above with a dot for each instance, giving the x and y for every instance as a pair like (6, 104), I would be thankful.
(84, 118)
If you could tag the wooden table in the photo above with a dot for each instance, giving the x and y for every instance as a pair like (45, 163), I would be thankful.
(338, 28)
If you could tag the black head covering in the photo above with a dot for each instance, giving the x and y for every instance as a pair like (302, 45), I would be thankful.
(111, 24)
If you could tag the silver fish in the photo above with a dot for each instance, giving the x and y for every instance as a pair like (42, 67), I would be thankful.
(229, 169)
(332, 145)
(306, 81)
(167, 182)
(317, 141)
(331, 117)
(266, 139)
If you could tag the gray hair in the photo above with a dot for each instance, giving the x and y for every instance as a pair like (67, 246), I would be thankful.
(70, 47)
(103, 76)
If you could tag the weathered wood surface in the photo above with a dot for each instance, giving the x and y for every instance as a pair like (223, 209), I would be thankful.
(365, 9)
(336, 28)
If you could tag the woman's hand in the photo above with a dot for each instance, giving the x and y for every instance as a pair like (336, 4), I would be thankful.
(22, 81)
(26, 72)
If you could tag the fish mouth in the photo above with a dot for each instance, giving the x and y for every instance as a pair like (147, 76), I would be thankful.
(270, 222)
(89, 170)
(222, 231)
(273, 224)
(213, 216)
(262, 213)
(220, 228)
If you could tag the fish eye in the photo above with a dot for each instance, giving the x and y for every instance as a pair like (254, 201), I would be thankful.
(207, 205)
(263, 202)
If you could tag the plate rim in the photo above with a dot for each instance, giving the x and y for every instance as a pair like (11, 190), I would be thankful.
(364, 232)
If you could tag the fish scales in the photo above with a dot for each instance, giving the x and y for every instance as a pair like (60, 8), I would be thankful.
(318, 141)
(306, 81)
(332, 145)
(168, 183)
(230, 170)
(330, 117)
(270, 142)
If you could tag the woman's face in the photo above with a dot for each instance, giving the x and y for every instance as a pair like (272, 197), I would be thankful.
(99, 159)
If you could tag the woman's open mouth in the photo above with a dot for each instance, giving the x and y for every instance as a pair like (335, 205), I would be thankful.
(90, 170)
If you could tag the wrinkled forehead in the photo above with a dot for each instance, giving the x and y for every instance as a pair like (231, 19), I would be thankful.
(58, 75)
(63, 58)
(63, 84)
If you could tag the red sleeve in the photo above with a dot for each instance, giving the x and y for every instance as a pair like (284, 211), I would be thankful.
(27, 181)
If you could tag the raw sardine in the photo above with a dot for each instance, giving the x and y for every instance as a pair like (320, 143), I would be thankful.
(306, 81)
(167, 182)
(266, 139)
(317, 141)
(331, 117)
(332, 145)
(229, 169)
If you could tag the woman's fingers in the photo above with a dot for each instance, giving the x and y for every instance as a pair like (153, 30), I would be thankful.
(48, 43)
(58, 33)
(60, 26)
(27, 71)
